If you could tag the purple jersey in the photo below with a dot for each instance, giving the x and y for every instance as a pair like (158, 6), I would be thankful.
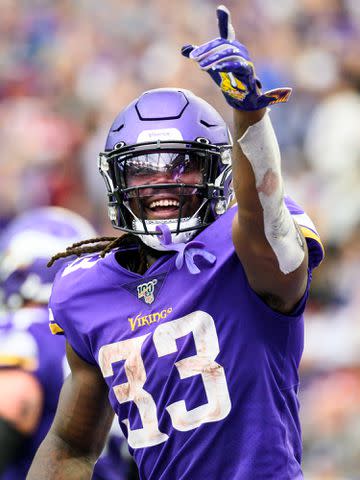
(201, 372)
(25, 343)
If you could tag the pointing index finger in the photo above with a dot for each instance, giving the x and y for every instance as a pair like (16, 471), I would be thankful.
(224, 21)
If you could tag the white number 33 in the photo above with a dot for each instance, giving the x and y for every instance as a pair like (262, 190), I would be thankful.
(218, 406)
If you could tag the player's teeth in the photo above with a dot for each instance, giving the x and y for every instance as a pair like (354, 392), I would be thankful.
(164, 203)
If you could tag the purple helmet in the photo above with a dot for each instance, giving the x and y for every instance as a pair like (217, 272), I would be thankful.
(168, 150)
(26, 246)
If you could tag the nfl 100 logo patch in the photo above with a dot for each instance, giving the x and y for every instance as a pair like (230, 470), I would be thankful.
(145, 291)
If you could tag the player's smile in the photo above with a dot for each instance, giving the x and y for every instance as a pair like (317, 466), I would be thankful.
(162, 206)
(162, 203)
(166, 206)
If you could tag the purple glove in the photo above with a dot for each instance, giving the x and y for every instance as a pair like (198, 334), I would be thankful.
(228, 63)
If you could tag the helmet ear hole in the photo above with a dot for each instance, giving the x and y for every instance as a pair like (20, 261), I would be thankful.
(119, 145)
(204, 140)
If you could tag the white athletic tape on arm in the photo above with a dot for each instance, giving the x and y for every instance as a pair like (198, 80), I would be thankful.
(260, 146)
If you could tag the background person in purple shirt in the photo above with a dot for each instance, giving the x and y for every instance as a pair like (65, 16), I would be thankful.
(33, 364)
(191, 324)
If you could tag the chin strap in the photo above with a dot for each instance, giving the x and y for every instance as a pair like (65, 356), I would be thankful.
(185, 251)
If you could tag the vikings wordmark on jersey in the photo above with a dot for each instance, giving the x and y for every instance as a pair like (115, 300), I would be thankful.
(141, 320)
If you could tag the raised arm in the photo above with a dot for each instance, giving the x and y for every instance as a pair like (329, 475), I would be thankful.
(78, 433)
(267, 240)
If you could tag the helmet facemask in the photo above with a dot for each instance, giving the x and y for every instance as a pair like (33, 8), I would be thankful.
(182, 184)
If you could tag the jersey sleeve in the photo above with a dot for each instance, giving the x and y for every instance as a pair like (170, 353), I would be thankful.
(308, 229)
(55, 328)
(67, 314)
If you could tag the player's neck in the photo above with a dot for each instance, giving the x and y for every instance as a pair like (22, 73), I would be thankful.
(140, 260)
(150, 255)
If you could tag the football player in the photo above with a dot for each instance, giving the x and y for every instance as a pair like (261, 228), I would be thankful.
(32, 364)
(194, 318)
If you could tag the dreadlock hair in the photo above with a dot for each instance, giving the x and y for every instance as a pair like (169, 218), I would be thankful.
(103, 245)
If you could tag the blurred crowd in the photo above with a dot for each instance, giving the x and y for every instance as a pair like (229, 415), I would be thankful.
(67, 68)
